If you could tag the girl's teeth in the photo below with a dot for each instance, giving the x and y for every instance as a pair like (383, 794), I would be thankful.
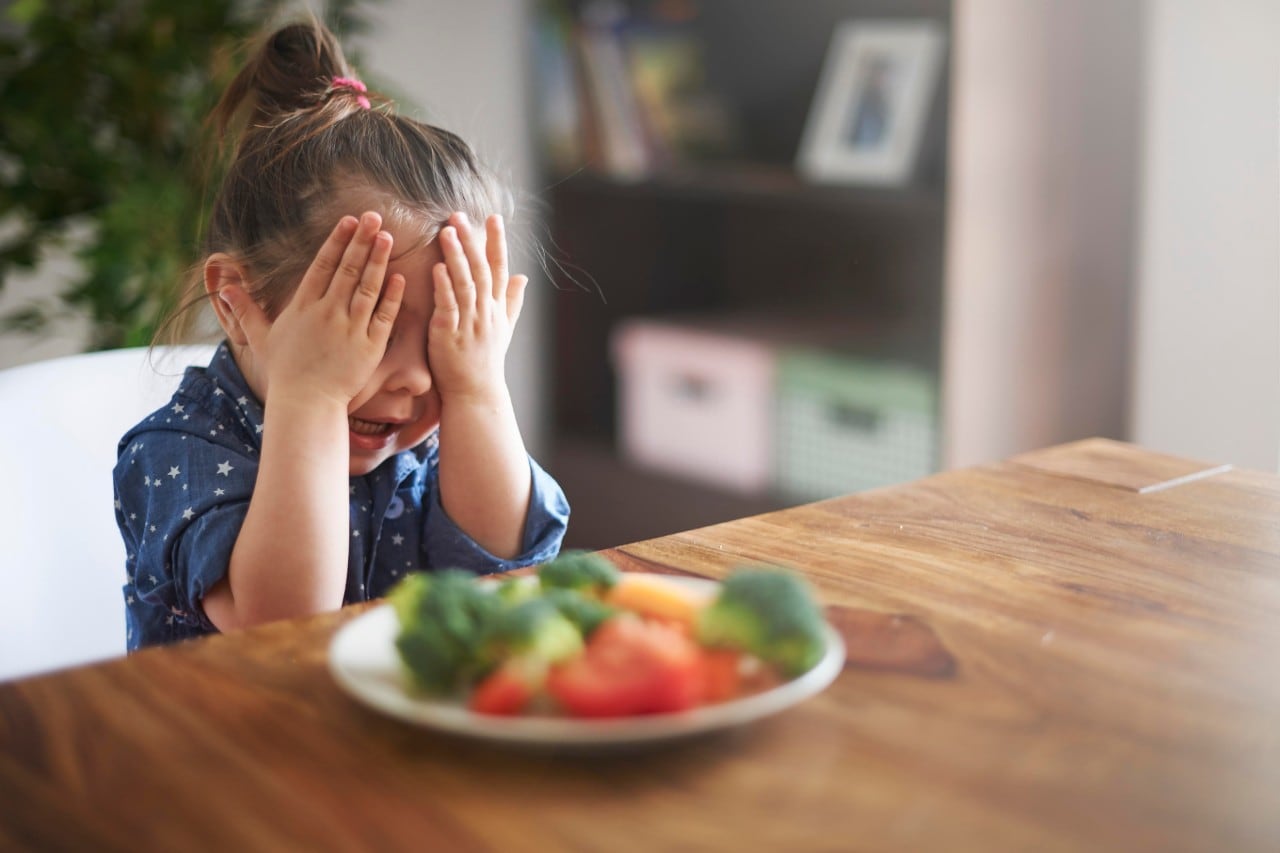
(364, 427)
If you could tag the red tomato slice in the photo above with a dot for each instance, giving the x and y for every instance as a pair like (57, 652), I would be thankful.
(721, 674)
(630, 666)
(506, 690)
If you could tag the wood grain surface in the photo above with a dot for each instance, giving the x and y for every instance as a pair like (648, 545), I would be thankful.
(1048, 657)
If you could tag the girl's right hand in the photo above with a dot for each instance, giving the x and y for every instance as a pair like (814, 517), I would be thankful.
(333, 332)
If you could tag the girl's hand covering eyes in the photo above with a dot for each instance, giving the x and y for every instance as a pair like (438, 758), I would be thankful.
(333, 332)
(478, 303)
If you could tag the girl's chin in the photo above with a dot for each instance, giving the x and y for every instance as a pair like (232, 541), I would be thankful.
(365, 464)
(365, 458)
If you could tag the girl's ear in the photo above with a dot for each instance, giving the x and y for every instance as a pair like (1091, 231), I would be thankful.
(220, 271)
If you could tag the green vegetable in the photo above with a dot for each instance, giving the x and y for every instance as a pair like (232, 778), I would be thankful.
(443, 620)
(516, 590)
(584, 571)
(769, 613)
(584, 612)
(533, 630)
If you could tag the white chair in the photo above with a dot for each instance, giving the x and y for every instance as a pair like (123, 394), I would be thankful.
(61, 556)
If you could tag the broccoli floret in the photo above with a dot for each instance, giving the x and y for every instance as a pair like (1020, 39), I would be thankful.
(443, 618)
(585, 571)
(515, 590)
(407, 595)
(769, 613)
(531, 630)
(584, 612)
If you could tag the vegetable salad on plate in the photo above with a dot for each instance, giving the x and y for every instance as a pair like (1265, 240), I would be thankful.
(582, 639)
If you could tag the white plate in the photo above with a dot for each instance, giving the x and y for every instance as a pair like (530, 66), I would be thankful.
(364, 662)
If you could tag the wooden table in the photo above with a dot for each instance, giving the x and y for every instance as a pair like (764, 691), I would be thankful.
(1075, 649)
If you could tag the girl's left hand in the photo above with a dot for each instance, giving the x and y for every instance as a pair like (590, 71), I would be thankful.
(477, 305)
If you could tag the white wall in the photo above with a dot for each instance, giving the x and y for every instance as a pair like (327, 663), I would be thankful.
(1043, 173)
(66, 337)
(1207, 339)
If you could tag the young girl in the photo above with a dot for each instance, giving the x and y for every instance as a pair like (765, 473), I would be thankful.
(355, 425)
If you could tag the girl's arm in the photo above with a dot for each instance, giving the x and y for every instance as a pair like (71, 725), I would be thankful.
(485, 481)
(291, 556)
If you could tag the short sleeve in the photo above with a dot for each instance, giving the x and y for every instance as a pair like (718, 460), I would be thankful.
(182, 502)
(448, 546)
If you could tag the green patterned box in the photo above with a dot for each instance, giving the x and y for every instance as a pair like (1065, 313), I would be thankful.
(846, 424)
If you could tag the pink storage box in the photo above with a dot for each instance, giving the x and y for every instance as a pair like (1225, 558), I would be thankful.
(696, 403)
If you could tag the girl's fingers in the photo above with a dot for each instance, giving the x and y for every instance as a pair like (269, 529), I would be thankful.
(515, 297)
(318, 276)
(346, 277)
(370, 284)
(496, 249)
(459, 269)
(473, 246)
(388, 308)
(447, 311)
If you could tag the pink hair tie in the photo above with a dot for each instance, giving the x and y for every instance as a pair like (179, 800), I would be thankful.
(354, 85)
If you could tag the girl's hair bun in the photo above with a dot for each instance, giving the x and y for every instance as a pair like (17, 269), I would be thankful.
(293, 69)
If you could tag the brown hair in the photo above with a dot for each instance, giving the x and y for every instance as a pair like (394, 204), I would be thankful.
(299, 145)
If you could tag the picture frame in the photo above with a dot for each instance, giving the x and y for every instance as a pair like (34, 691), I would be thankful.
(872, 102)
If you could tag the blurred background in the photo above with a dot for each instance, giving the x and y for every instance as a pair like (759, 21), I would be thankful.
(781, 250)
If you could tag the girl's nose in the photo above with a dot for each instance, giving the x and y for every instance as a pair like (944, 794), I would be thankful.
(408, 371)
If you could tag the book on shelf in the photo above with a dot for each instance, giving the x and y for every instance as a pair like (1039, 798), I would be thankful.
(624, 96)
(559, 118)
(621, 137)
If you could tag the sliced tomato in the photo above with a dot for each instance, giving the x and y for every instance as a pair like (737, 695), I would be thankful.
(630, 666)
(721, 674)
(508, 689)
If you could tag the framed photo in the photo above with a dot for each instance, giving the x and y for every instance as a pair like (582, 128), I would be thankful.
(872, 101)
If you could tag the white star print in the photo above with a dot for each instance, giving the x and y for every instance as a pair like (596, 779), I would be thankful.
(174, 472)
(188, 514)
(217, 493)
(244, 401)
(397, 539)
(226, 468)
(178, 408)
(146, 479)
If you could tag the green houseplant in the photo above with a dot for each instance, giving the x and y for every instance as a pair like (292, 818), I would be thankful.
(103, 148)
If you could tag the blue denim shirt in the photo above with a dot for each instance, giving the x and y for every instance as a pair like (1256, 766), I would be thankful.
(183, 479)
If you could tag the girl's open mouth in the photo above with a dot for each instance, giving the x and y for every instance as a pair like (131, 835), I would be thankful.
(370, 435)
(363, 427)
